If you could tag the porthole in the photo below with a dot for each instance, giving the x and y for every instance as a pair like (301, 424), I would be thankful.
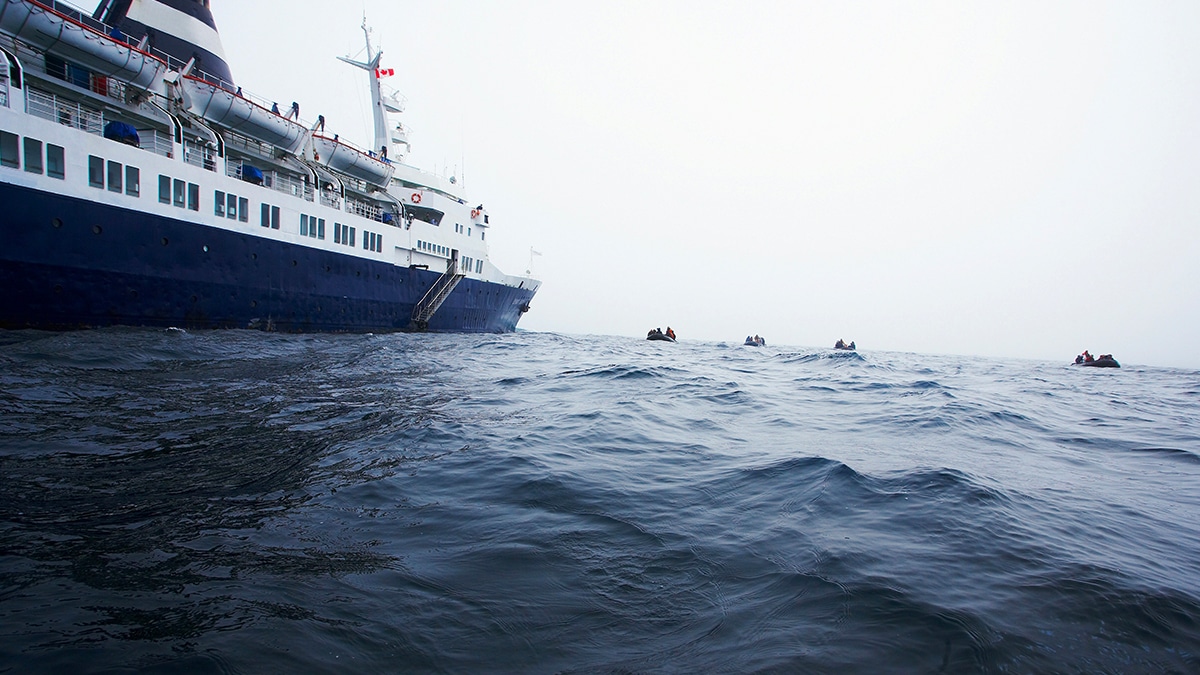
(194, 299)
(97, 229)
(57, 222)
(58, 288)
(254, 256)
(254, 303)
(165, 241)
(294, 263)
(206, 249)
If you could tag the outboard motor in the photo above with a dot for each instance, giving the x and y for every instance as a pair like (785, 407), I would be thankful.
(184, 29)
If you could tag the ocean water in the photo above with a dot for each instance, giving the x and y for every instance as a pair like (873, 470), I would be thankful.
(244, 502)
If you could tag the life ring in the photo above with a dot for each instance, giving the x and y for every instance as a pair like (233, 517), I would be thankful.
(416, 197)
(474, 213)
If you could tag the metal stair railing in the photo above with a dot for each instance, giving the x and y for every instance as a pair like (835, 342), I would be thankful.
(435, 296)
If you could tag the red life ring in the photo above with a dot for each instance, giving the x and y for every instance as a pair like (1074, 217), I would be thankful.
(416, 197)
(474, 213)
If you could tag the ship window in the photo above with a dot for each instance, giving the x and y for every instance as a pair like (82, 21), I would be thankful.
(303, 224)
(177, 192)
(478, 266)
(265, 215)
(367, 240)
(133, 181)
(95, 171)
(55, 161)
(321, 228)
(243, 209)
(274, 217)
(33, 155)
(468, 231)
(352, 236)
(337, 233)
(231, 204)
(8, 150)
(114, 177)
(164, 189)
(218, 203)
(193, 196)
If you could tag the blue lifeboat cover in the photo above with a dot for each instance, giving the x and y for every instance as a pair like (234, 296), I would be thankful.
(387, 218)
(252, 174)
(120, 131)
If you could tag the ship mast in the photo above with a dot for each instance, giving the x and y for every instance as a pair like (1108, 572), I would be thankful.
(371, 65)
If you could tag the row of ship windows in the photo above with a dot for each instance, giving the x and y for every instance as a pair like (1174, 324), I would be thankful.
(52, 161)
(438, 249)
(312, 226)
(468, 262)
(127, 178)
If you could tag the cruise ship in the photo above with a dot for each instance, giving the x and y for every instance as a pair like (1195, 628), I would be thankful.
(140, 186)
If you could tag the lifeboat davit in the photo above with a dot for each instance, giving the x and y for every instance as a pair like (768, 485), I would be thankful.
(75, 39)
(223, 107)
(351, 161)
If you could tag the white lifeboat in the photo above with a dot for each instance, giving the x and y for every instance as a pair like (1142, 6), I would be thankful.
(221, 106)
(82, 40)
(347, 159)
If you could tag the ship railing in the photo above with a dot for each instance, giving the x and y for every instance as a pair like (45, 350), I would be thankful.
(248, 145)
(279, 182)
(71, 113)
(78, 16)
(364, 209)
(198, 155)
(289, 185)
(153, 140)
(330, 199)
(4, 86)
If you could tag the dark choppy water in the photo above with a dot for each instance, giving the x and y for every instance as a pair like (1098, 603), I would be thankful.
(241, 502)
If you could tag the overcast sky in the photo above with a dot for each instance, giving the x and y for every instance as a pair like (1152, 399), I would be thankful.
(1013, 179)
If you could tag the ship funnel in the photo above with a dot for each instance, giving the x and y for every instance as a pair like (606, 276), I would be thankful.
(182, 29)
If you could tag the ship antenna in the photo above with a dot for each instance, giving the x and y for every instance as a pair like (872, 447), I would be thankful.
(371, 65)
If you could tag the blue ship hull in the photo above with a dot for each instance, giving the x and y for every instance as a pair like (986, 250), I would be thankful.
(68, 263)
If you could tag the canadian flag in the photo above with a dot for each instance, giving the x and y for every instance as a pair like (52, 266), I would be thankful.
(385, 72)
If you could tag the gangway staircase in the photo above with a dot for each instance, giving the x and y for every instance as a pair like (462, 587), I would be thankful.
(436, 295)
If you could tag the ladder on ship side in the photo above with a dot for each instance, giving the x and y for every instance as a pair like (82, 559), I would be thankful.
(436, 295)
